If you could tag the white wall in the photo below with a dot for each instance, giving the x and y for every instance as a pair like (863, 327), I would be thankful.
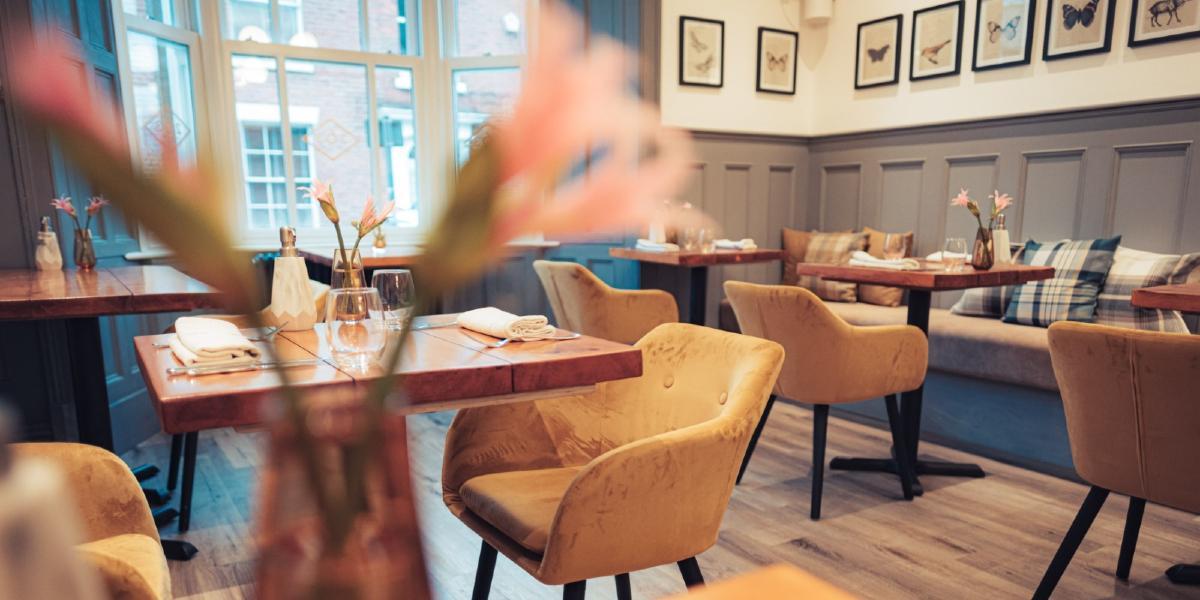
(827, 103)
(736, 106)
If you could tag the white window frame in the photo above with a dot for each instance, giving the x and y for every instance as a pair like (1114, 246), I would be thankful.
(218, 129)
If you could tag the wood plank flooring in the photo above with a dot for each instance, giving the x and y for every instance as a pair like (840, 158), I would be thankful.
(985, 538)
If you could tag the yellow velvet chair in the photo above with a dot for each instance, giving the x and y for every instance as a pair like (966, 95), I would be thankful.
(831, 362)
(634, 475)
(582, 302)
(120, 539)
(1132, 418)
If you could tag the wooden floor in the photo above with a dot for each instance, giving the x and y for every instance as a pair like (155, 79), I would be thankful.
(964, 539)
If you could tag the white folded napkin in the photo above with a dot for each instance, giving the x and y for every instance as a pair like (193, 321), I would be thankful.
(646, 245)
(937, 256)
(499, 324)
(742, 244)
(211, 342)
(862, 259)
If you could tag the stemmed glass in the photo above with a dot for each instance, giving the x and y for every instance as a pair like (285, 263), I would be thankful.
(397, 295)
(895, 246)
(355, 328)
(954, 254)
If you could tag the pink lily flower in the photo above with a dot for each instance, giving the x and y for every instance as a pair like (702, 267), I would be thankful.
(1002, 201)
(370, 220)
(323, 193)
(64, 204)
(962, 199)
(97, 203)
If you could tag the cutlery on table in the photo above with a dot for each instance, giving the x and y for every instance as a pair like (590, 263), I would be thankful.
(267, 335)
(504, 342)
(258, 366)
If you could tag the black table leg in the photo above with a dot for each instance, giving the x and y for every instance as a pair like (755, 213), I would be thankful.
(1184, 574)
(689, 286)
(190, 441)
(910, 413)
(90, 384)
(698, 303)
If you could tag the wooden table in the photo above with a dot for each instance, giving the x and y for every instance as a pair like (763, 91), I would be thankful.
(442, 369)
(685, 274)
(78, 299)
(778, 581)
(1183, 297)
(920, 285)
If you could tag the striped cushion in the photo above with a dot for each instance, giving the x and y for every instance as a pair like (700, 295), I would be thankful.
(1134, 269)
(833, 249)
(1080, 268)
(986, 301)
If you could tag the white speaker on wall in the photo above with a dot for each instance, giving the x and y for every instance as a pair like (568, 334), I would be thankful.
(818, 12)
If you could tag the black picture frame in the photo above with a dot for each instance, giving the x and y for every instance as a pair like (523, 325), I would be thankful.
(1030, 24)
(1136, 43)
(912, 51)
(858, 51)
(758, 80)
(682, 39)
(1054, 7)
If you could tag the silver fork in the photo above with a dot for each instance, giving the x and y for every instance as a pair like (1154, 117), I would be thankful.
(265, 336)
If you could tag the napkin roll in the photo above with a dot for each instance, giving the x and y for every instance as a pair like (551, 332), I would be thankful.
(200, 341)
(862, 259)
(504, 325)
(646, 245)
(742, 244)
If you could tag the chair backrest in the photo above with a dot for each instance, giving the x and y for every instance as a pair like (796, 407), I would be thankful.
(1132, 402)
(583, 302)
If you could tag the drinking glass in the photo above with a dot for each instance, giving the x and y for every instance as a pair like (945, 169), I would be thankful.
(355, 328)
(895, 246)
(397, 295)
(954, 254)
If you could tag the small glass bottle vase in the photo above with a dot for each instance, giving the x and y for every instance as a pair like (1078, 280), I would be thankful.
(984, 254)
(85, 252)
(343, 276)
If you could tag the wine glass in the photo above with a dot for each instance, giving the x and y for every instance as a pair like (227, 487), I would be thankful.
(354, 327)
(954, 254)
(895, 246)
(397, 295)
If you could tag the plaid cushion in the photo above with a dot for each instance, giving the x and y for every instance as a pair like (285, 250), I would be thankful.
(834, 249)
(1134, 269)
(986, 301)
(1080, 267)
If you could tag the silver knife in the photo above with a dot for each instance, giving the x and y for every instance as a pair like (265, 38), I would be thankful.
(258, 366)
(424, 326)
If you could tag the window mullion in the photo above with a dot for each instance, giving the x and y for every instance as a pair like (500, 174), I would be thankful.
(374, 143)
(276, 24)
(364, 27)
(285, 124)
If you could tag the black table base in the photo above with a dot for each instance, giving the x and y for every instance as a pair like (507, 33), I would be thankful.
(910, 413)
(1184, 574)
(689, 286)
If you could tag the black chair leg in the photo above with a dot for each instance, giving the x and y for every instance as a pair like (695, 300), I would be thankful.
(820, 426)
(624, 591)
(575, 590)
(483, 573)
(190, 441)
(173, 468)
(690, 569)
(762, 422)
(1133, 524)
(1079, 528)
(900, 447)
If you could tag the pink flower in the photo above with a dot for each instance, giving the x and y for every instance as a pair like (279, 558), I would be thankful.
(97, 203)
(323, 193)
(370, 220)
(64, 204)
(1001, 202)
(962, 199)
(573, 101)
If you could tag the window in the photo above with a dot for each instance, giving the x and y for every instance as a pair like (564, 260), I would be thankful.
(345, 91)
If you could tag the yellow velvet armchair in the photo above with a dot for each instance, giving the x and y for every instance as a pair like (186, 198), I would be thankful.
(634, 475)
(1132, 418)
(582, 302)
(829, 362)
(120, 538)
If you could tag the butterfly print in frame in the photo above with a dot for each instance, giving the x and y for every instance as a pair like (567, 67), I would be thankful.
(1083, 15)
(701, 52)
(776, 63)
(1008, 32)
(1004, 32)
(877, 54)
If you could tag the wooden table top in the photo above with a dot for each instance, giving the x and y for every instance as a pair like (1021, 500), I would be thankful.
(698, 259)
(931, 277)
(442, 368)
(775, 581)
(30, 294)
(1182, 297)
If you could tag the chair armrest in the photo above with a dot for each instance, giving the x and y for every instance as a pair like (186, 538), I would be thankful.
(882, 360)
(631, 314)
(651, 502)
(108, 496)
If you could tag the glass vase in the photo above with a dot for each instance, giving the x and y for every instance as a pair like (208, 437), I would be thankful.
(984, 254)
(299, 556)
(85, 252)
(347, 276)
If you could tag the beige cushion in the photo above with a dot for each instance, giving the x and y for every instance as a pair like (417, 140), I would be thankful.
(882, 294)
(833, 249)
(795, 244)
(521, 504)
(970, 346)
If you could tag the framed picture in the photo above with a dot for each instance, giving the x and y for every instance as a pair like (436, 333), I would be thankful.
(1158, 21)
(777, 60)
(1077, 27)
(877, 58)
(936, 41)
(701, 52)
(1003, 34)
